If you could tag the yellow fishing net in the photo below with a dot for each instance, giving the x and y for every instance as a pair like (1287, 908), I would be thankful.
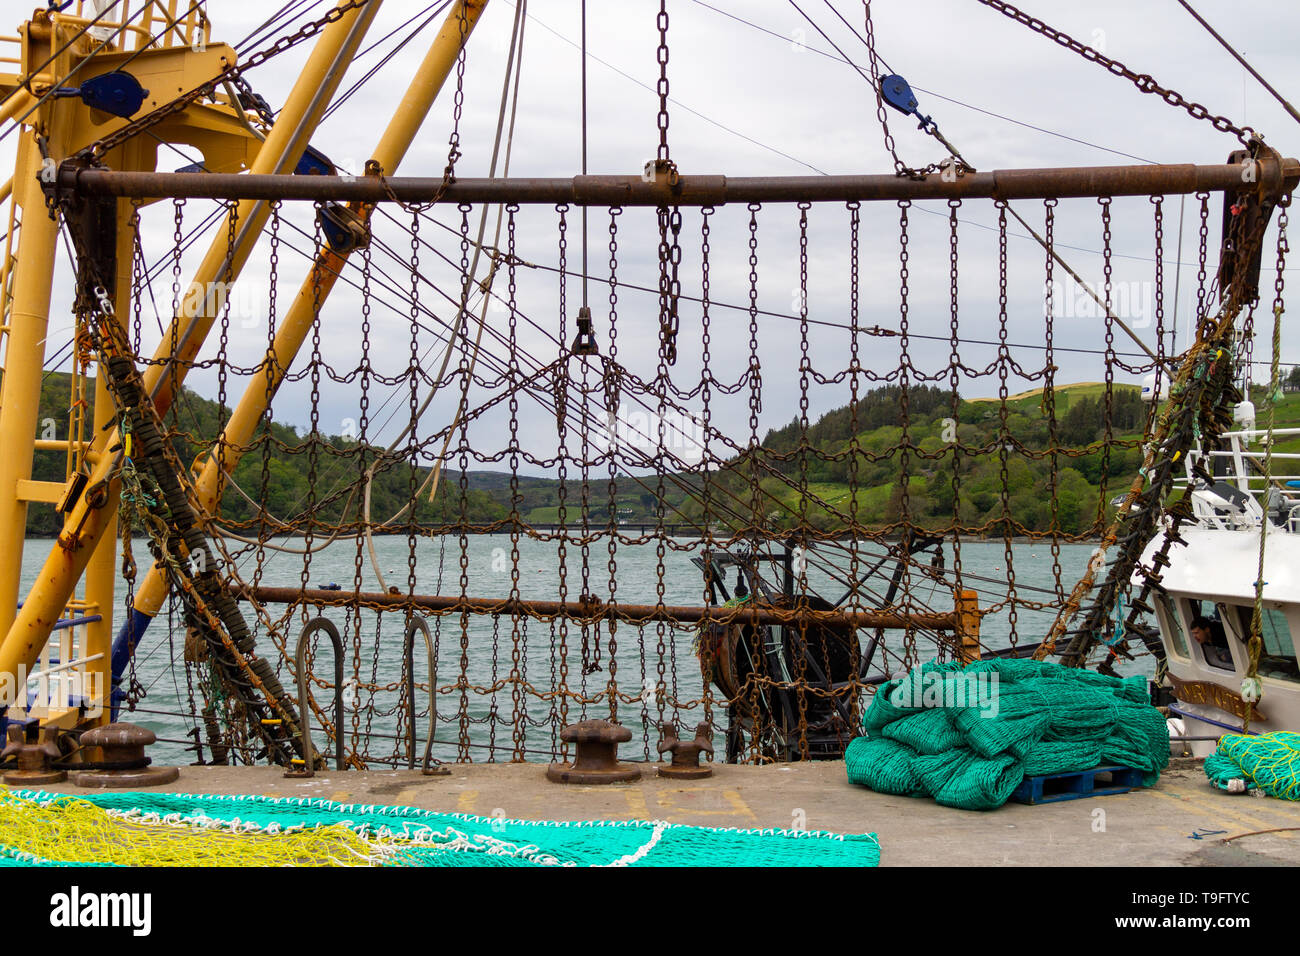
(68, 830)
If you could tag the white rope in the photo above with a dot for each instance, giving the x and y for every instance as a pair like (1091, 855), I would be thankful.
(628, 860)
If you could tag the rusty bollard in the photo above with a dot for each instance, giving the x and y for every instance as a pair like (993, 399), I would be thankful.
(686, 753)
(34, 748)
(124, 763)
(596, 757)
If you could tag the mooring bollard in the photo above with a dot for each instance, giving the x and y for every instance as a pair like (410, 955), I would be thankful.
(124, 763)
(686, 753)
(33, 749)
(596, 756)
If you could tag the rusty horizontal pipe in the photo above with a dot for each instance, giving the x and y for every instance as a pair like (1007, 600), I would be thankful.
(629, 613)
(1008, 184)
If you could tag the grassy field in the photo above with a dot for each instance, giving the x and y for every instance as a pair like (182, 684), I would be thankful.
(873, 494)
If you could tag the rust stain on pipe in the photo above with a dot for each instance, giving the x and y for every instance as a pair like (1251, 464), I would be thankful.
(596, 610)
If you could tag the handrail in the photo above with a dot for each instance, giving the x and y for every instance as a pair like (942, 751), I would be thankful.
(1261, 432)
(300, 653)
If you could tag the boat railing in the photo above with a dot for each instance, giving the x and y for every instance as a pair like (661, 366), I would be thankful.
(11, 53)
(1252, 491)
(151, 23)
(129, 26)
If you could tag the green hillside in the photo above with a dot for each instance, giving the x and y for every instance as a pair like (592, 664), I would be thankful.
(279, 461)
(1091, 467)
(861, 446)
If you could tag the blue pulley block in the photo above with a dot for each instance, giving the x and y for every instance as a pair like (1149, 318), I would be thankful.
(898, 94)
(314, 163)
(118, 93)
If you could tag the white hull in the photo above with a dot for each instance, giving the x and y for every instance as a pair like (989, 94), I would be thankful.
(1214, 576)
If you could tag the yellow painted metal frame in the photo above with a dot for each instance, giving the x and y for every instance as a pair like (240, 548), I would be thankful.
(297, 322)
(56, 129)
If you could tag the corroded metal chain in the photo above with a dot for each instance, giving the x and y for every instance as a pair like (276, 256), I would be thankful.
(1143, 81)
(661, 55)
(1197, 411)
(1203, 253)
(1005, 440)
(670, 286)
(1049, 389)
(165, 502)
(180, 546)
(869, 33)
(955, 367)
(1108, 324)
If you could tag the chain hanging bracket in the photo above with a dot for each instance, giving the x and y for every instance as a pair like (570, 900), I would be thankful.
(584, 342)
(1247, 212)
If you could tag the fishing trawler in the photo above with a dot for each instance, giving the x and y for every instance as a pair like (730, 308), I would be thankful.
(1237, 498)
(205, 550)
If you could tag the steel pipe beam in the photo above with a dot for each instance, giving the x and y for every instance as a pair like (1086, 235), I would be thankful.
(1067, 182)
(599, 610)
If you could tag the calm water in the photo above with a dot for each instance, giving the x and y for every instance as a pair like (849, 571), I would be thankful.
(487, 652)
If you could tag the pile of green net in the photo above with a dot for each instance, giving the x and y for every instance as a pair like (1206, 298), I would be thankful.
(1268, 762)
(967, 735)
(172, 829)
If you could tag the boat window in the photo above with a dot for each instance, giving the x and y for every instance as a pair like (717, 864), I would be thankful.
(1172, 626)
(1215, 651)
(1277, 656)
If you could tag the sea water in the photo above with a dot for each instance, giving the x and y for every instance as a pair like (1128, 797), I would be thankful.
(656, 666)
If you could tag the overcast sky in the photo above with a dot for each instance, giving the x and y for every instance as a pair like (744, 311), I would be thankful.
(774, 98)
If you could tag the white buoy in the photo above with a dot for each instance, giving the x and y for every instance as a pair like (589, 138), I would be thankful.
(1153, 382)
(1244, 416)
(1176, 729)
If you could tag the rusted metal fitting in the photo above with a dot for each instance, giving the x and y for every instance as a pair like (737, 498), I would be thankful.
(596, 757)
(584, 343)
(661, 172)
(33, 747)
(124, 763)
(686, 753)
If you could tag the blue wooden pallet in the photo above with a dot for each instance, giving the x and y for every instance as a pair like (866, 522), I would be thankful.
(1052, 787)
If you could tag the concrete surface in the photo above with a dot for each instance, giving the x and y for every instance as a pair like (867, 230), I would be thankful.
(1145, 827)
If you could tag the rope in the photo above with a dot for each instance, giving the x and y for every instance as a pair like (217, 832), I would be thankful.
(1252, 687)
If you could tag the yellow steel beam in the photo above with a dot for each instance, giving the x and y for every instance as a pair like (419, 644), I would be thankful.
(20, 393)
(17, 104)
(49, 492)
(297, 323)
(212, 128)
(84, 525)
